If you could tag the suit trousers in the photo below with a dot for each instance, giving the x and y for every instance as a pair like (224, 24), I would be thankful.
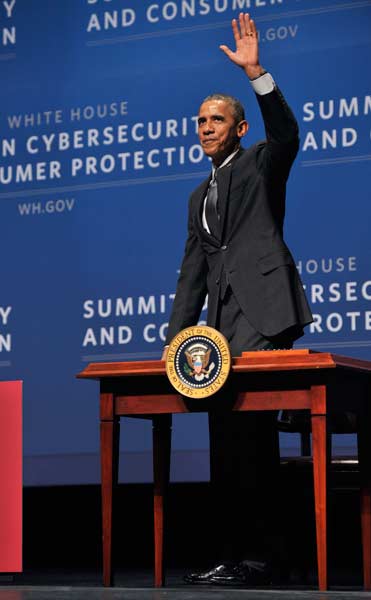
(244, 455)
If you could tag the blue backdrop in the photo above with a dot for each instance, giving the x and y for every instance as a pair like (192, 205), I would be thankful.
(98, 155)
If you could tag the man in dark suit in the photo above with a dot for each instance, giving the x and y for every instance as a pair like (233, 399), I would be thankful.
(236, 254)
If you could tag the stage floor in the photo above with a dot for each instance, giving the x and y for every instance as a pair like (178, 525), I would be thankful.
(171, 593)
(138, 585)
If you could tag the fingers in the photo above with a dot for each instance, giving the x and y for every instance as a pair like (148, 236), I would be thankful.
(244, 24)
(253, 28)
(236, 32)
(227, 51)
(244, 27)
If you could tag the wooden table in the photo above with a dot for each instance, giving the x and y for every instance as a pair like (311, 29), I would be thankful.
(323, 383)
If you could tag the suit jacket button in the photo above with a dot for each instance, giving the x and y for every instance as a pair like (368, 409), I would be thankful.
(224, 247)
(217, 281)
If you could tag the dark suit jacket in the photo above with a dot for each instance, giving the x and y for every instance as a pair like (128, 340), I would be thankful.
(251, 253)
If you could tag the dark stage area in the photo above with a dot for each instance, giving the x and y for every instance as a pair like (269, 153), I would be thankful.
(62, 540)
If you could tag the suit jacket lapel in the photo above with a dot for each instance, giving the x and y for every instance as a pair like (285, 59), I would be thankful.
(224, 181)
(231, 205)
(199, 208)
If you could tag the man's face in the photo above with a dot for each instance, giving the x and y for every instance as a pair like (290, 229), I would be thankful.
(218, 132)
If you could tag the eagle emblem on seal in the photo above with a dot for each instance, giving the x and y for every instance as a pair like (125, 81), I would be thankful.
(198, 357)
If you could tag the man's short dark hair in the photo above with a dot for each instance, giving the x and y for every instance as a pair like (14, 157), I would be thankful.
(236, 106)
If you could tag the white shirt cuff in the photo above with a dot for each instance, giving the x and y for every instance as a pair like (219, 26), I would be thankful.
(263, 84)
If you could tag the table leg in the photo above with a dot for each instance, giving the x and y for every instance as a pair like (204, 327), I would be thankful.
(364, 460)
(320, 462)
(109, 444)
(161, 472)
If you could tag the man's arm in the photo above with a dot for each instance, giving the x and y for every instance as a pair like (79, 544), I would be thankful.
(280, 124)
(191, 287)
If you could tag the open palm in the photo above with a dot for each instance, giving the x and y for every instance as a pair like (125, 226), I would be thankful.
(245, 34)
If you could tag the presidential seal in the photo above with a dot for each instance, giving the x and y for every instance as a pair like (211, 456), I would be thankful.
(198, 361)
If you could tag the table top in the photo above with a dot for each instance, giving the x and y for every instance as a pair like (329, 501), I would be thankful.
(262, 360)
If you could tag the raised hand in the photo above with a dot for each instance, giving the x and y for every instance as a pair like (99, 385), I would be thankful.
(246, 54)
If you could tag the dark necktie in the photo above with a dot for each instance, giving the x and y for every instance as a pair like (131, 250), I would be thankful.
(211, 209)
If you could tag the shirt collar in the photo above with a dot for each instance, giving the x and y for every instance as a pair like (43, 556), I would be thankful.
(224, 163)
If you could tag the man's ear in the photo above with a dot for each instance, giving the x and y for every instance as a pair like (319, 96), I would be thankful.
(242, 128)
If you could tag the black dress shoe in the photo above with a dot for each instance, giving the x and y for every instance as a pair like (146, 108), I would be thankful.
(246, 573)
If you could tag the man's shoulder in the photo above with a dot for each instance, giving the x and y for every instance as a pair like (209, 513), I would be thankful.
(248, 155)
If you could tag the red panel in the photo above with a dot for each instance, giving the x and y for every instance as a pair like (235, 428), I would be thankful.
(10, 476)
